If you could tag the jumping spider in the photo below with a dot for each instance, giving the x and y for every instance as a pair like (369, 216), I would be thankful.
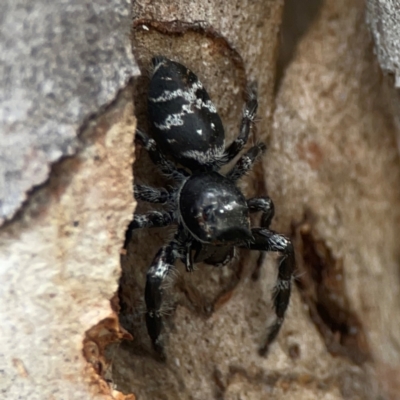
(211, 213)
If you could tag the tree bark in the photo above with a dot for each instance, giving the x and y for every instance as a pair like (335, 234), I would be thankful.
(328, 116)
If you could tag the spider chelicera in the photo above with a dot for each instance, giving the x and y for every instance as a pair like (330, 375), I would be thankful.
(211, 213)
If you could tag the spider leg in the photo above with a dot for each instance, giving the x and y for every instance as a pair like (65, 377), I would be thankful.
(160, 268)
(158, 158)
(249, 114)
(245, 162)
(152, 219)
(188, 258)
(265, 205)
(267, 240)
(151, 194)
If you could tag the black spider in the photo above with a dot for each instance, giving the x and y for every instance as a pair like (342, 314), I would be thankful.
(211, 213)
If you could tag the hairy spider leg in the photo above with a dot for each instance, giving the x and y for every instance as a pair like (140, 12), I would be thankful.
(158, 158)
(147, 193)
(246, 161)
(188, 259)
(161, 266)
(151, 194)
(266, 206)
(249, 114)
(152, 219)
(267, 240)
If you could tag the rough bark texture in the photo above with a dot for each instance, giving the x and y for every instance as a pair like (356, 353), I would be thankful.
(60, 266)
(59, 256)
(332, 169)
(59, 63)
(335, 136)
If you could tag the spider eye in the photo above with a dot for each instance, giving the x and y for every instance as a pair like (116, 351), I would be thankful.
(208, 214)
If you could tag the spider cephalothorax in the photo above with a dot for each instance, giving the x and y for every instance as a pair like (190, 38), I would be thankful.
(211, 213)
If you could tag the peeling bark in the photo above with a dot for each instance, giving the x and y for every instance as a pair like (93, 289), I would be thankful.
(59, 263)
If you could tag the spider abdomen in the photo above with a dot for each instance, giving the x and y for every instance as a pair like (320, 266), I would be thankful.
(184, 121)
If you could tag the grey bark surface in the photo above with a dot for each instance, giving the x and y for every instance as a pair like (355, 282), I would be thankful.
(383, 17)
(60, 62)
